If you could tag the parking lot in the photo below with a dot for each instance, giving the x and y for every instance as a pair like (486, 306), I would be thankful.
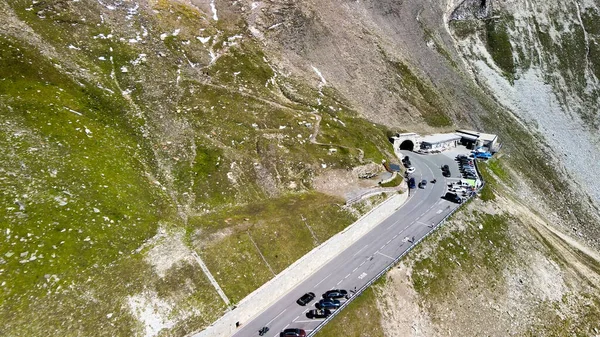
(458, 168)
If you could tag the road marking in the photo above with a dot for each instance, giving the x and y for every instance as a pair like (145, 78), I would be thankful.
(365, 261)
(360, 250)
(387, 243)
(314, 320)
(346, 276)
(389, 257)
(337, 284)
(439, 211)
(355, 269)
(321, 281)
(362, 276)
(383, 246)
(395, 236)
(296, 318)
(422, 223)
(281, 313)
(285, 327)
(394, 224)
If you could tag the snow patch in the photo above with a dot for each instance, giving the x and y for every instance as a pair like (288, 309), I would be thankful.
(203, 40)
(320, 75)
(213, 8)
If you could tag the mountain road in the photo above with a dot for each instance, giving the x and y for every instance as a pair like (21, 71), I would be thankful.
(363, 260)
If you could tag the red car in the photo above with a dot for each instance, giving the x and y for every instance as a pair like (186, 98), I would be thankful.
(293, 333)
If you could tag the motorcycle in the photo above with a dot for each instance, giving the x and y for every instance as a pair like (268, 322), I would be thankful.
(433, 181)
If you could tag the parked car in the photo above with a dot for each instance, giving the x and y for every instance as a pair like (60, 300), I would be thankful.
(316, 313)
(446, 173)
(453, 197)
(410, 170)
(306, 298)
(482, 155)
(411, 183)
(328, 304)
(335, 293)
(293, 333)
(423, 183)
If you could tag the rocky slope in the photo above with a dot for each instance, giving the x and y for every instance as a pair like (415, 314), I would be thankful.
(143, 140)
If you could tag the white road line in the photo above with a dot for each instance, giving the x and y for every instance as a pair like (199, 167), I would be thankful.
(422, 223)
(382, 247)
(439, 211)
(389, 257)
(360, 250)
(321, 281)
(395, 236)
(355, 269)
(394, 224)
(285, 327)
(346, 276)
(314, 320)
(363, 263)
(294, 320)
(281, 313)
(337, 284)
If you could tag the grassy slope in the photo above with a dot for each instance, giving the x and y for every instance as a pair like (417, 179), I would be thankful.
(89, 175)
(359, 319)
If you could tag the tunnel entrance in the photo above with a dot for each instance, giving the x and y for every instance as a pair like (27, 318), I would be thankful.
(407, 145)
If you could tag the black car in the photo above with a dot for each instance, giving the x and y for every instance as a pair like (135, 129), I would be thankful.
(423, 183)
(316, 313)
(335, 293)
(306, 298)
(328, 304)
(411, 183)
(453, 197)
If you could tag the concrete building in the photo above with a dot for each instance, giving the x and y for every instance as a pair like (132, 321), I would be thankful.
(473, 139)
(439, 142)
(406, 141)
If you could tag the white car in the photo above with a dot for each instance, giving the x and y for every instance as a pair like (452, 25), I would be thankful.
(410, 170)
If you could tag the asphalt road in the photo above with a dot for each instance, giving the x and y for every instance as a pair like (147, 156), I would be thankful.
(371, 254)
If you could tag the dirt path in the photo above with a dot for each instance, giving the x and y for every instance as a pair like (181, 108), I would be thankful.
(317, 128)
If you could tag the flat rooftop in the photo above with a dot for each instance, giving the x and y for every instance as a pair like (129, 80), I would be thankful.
(479, 135)
(440, 138)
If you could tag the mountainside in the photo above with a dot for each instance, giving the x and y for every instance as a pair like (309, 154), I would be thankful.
(149, 146)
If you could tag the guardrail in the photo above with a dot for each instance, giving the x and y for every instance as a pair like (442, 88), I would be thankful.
(393, 263)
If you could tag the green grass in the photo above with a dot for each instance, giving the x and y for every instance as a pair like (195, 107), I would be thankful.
(394, 182)
(361, 318)
(463, 29)
(423, 96)
(371, 138)
(70, 187)
(280, 228)
(499, 47)
(460, 251)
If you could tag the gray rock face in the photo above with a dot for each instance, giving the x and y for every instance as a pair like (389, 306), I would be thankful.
(472, 9)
